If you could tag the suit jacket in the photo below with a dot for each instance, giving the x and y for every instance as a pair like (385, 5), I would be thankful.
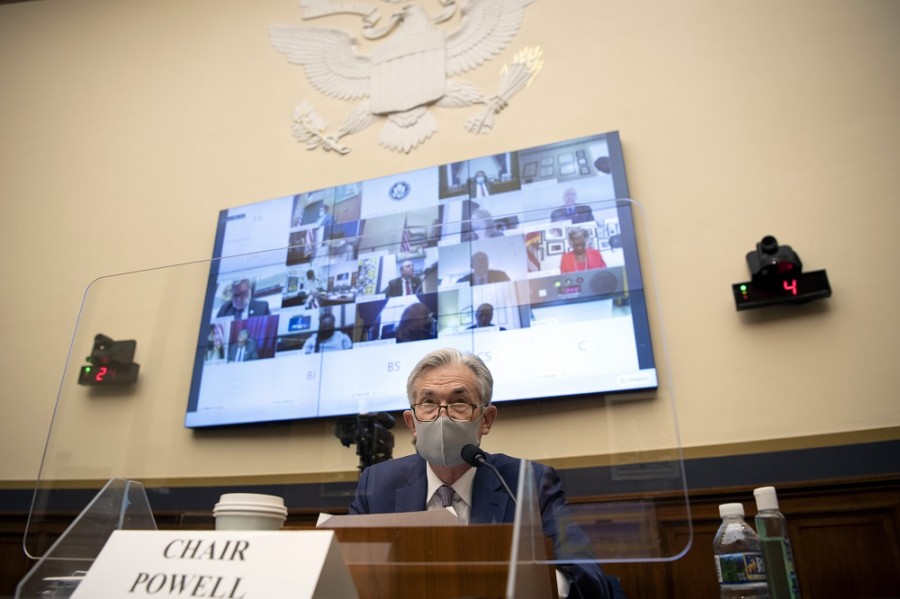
(249, 351)
(395, 286)
(494, 276)
(582, 214)
(257, 308)
(400, 485)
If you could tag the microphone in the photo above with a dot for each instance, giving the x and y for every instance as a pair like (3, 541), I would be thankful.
(475, 456)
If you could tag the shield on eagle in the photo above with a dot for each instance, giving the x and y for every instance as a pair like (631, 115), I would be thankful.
(408, 71)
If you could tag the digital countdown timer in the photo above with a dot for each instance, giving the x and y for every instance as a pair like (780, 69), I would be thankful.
(790, 290)
(111, 363)
(120, 374)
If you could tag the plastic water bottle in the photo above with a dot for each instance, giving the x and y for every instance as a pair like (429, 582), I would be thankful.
(776, 546)
(739, 559)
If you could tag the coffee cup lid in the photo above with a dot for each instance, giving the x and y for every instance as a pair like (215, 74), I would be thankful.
(251, 498)
(249, 508)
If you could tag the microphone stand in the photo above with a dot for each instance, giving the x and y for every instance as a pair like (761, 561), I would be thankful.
(475, 456)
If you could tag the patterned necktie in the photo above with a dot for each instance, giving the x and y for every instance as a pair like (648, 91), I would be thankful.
(445, 493)
(408, 288)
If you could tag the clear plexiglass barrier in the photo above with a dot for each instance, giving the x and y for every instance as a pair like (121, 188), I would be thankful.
(284, 372)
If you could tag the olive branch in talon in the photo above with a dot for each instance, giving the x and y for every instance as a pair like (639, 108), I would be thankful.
(514, 77)
(309, 128)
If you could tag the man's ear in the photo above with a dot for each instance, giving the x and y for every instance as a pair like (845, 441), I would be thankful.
(488, 421)
(410, 421)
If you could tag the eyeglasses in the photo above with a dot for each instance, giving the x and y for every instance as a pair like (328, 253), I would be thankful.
(428, 411)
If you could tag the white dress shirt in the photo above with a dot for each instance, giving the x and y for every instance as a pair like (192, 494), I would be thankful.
(462, 501)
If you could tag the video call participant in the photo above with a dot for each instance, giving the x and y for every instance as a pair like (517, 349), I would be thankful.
(482, 226)
(571, 211)
(311, 286)
(406, 284)
(480, 186)
(326, 222)
(581, 257)
(311, 282)
(241, 306)
(416, 323)
(449, 395)
(215, 350)
(244, 350)
(481, 272)
(327, 338)
(483, 317)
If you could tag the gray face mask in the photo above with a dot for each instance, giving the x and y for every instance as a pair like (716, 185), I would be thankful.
(441, 442)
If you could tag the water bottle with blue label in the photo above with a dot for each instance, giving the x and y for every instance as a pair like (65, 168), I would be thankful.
(739, 558)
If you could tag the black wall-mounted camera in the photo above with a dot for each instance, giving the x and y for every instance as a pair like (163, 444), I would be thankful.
(772, 263)
(777, 277)
(110, 363)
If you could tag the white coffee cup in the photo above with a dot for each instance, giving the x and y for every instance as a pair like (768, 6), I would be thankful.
(249, 511)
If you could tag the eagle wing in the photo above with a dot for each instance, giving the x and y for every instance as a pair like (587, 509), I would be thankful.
(487, 28)
(329, 58)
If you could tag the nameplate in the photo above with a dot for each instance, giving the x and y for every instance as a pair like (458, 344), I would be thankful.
(218, 565)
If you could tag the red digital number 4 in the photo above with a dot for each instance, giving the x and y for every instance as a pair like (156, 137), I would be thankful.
(792, 286)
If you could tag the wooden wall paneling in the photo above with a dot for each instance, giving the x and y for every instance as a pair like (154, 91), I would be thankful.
(13, 562)
(852, 555)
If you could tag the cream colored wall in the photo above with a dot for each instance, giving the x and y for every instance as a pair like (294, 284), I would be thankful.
(127, 126)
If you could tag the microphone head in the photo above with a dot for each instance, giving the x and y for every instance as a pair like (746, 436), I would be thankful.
(473, 455)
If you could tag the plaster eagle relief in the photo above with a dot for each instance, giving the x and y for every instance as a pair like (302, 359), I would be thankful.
(409, 71)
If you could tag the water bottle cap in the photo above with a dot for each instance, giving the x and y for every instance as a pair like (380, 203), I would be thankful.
(731, 509)
(766, 499)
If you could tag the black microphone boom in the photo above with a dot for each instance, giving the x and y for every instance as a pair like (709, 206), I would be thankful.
(475, 456)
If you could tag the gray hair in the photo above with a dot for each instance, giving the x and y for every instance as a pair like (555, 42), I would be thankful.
(578, 232)
(447, 357)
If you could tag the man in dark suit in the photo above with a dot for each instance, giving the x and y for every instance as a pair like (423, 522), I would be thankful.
(241, 305)
(479, 186)
(484, 317)
(406, 284)
(244, 349)
(450, 400)
(482, 273)
(571, 211)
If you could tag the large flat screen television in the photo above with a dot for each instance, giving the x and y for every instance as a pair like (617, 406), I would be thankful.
(320, 303)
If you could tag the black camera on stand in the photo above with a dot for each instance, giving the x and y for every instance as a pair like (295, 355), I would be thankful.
(369, 432)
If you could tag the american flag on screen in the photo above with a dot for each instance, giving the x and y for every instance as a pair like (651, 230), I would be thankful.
(404, 239)
(533, 242)
(310, 241)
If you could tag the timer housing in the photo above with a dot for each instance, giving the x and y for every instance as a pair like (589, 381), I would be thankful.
(777, 278)
(111, 363)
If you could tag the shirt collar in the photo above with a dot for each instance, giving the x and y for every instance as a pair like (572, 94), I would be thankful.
(462, 486)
